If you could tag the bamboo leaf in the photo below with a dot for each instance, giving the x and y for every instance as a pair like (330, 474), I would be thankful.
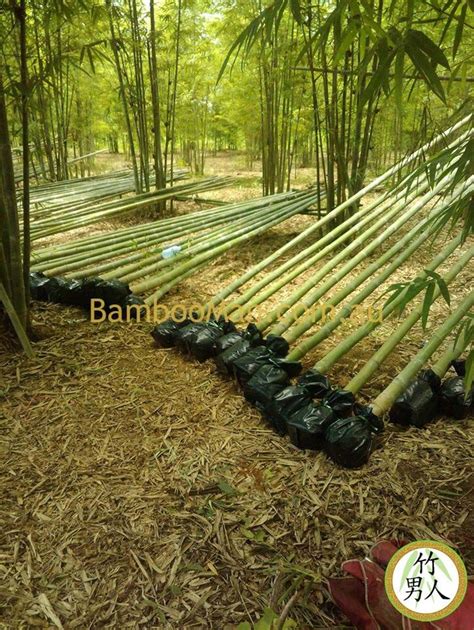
(346, 41)
(459, 30)
(469, 377)
(432, 50)
(380, 77)
(427, 302)
(424, 67)
(399, 64)
(296, 11)
(443, 287)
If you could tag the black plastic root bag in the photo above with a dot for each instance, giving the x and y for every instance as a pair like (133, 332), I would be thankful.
(39, 286)
(340, 401)
(111, 291)
(203, 344)
(253, 335)
(459, 366)
(227, 352)
(134, 301)
(67, 292)
(165, 333)
(246, 365)
(349, 441)
(364, 411)
(186, 335)
(277, 345)
(80, 292)
(316, 383)
(267, 382)
(226, 341)
(417, 406)
(283, 404)
(431, 378)
(225, 360)
(307, 425)
(453, 399)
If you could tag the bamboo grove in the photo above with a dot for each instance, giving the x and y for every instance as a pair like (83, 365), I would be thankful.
(342, 91)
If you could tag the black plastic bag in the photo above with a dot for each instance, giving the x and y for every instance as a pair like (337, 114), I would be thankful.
(316, 383)
(203, 344)
(186, 335)
(454, 402)
(79, 292)
(277, 345)
(134, 300)
(431, 378)
(340, 401)
(228, 352)
(306, 426)
(246, 365)
(268, 381)
(349, 441)
(227, 340)
(225, 360)
(459, 366)
(253, 335)
(73, 293)
(418, 405)
(284, 403)
(165, 333)
(110, 291)
(63, 291)
(39, 286)
(364, 411)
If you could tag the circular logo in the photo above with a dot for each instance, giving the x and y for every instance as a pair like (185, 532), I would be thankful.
(426, 580)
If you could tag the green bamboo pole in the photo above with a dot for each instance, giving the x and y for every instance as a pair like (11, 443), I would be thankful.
(174, 274)
(451, 354)
(75, 194)
(334, 241)
(307, 322)
(16, 323)
(274, 217)
(131, 267)
(376, 360)
(325, 364)
(95, 213)
(66, 214)
(308, 295)
(52, 212)
(137, 244)
(335, 321)
(95, 242)
(385, 399)
(351, 201)
(404, 246)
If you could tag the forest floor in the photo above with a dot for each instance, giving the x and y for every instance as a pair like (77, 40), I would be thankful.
(140, 490)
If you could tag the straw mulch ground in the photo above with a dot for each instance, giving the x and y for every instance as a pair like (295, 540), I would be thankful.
(140, 490)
